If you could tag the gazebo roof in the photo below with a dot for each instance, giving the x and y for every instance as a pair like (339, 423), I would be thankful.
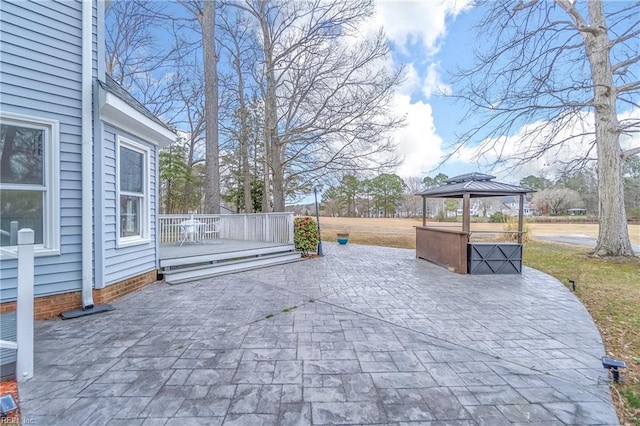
(476, 185)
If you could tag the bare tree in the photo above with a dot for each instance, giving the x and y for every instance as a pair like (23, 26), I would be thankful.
(189, 95)
(326, 94)
(413, 202)
(557, 200)
(205, 13)
(238, 41)
(557, 74)
(585, 182)
(137, 58)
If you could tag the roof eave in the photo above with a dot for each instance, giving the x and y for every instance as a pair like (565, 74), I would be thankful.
(473, 194)
(116, 111)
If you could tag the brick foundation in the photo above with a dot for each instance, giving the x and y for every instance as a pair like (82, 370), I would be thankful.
(48, 307)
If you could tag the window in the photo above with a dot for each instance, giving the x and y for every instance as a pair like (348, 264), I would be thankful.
(133, 193)
(29, 180)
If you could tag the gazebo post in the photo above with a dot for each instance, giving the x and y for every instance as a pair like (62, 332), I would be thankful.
(466, 213)
(424, 211)
(520, 218)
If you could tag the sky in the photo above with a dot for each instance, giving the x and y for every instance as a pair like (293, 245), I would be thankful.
(428, 37)
(432, 38)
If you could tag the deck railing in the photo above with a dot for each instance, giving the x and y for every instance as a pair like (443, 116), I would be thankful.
(24, 308)
(267, 227)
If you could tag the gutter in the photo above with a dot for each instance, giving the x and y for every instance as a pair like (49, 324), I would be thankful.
(87, 151)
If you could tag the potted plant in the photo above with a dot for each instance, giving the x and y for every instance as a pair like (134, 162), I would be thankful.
(342, 237)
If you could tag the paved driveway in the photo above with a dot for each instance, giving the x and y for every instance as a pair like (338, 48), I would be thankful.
(365, 335)
(579, 240)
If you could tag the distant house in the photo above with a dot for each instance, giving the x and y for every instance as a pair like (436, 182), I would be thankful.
(474, 209)
(576, 212)
(530, 209)
(78, 160)
(511, 205)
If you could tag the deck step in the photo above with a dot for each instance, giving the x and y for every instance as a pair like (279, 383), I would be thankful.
(192, 273)
(8, 356)
(225, 256)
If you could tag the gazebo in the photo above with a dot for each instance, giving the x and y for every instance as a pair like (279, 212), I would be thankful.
(453, 248)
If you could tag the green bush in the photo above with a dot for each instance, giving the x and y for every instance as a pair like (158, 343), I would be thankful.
(305, 235)
(498, 217)
(633, 213)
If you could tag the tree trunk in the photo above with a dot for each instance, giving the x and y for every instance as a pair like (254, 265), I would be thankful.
(188, 190)
(212, 166)
(244, 140)
(266, 190)
(246, 176)
(278, 174)
(270, 117)
(613, 235)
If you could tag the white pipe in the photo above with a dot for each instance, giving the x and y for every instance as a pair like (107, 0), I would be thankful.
(87, 150)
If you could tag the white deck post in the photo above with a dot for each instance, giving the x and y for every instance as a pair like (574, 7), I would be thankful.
(290, 222)
(246, 227)
(24, 305)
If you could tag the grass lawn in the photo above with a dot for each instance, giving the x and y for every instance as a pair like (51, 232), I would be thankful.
(610, 290)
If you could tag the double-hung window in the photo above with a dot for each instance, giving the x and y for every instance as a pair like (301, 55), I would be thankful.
(133, 193)
(29, 174)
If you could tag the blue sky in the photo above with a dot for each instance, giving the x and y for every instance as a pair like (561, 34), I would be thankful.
(432, 38)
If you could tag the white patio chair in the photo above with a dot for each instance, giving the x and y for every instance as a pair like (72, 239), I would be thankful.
(212, 231)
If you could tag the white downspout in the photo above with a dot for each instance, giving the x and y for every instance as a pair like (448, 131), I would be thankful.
(87, 151)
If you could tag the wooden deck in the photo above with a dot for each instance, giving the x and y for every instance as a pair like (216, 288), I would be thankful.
(189, 249)
(8, 356)
(221, 256)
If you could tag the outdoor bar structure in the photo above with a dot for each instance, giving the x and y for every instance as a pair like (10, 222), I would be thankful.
(452, 247)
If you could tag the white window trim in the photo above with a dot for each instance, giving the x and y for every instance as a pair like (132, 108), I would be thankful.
(51, 208)
(145, 219)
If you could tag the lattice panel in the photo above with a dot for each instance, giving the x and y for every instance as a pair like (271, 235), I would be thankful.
(489, 258)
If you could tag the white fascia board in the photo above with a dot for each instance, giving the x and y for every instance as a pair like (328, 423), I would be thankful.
(117, 112)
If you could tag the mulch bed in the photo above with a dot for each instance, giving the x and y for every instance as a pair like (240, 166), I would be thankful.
(10, 387)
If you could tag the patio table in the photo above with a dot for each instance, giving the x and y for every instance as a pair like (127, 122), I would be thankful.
(190, 231)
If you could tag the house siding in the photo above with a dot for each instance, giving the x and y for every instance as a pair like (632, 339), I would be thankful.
(121, 263)
(40, 76)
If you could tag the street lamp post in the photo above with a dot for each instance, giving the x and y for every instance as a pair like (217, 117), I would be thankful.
(315, 193)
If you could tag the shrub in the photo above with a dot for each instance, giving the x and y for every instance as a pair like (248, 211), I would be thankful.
(442, 217)
(498, 217)
(633, 213)
(512, 225)
(305, 235)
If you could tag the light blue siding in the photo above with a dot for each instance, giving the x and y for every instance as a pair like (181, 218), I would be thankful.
(125, 262)
(40, 76)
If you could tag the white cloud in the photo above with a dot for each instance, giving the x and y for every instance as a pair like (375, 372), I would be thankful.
(416, 27)
(417, 21)
(432, 84)
(411, 82)
(418, 142)
(553, 160)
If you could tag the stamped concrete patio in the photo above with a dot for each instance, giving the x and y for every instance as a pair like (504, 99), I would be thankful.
(365, 335)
